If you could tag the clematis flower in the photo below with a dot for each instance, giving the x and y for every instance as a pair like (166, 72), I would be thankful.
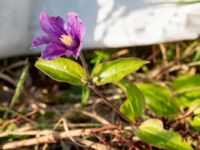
(61, 38)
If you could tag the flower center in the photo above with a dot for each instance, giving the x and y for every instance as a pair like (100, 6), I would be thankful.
(67, 40)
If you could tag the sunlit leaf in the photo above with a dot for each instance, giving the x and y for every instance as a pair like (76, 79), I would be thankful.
(187, 89)
(186, 82)
(63, 70)
(158, 99)
(151, 131)
(194, 108)
(113, 71)
(134, 105)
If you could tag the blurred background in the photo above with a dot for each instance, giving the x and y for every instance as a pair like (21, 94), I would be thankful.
(112, 23)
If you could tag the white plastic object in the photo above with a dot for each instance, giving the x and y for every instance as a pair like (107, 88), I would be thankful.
(113, 23)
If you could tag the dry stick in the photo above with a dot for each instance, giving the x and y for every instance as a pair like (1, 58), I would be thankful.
(171, 64)
(154, 54)
(186, 115)
(66, 128)
(178, 50)
(164, 55)
(17, 114)
(50, 138)
(177, 67)
(7, 78)
(96, 117)
(80, 142)
(96, 146)
(46, 132)
(100, 94)
(28, 133)
(14, 65)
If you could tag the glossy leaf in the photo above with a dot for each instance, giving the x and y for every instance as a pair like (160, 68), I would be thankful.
(158, 99)
(151, 131)
(85, 95)
(186, 82)
(187, 89)
(134, 105)
(63, 70)
(195, 118)
(113, 71)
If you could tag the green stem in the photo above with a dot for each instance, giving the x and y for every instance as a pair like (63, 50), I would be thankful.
(18, 89)
(100, 94)
(84, 64)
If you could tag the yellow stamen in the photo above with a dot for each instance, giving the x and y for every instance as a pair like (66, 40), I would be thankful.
(67, 40)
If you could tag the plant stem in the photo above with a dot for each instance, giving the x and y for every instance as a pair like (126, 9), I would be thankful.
(100, 94)
(84, 64)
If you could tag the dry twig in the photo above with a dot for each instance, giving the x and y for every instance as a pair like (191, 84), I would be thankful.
(49, 136)
(96, 117)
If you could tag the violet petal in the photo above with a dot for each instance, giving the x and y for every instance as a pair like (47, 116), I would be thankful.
(76, 52)
(74, 25)
(53, 26)
(38, 41)
(52, 51)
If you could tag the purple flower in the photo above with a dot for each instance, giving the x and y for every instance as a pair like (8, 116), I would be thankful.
(61, 38)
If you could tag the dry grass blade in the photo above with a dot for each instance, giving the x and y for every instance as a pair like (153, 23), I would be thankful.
(28, 133)
(96, 117)
(95, 145)
(50, 136)
(67, 131)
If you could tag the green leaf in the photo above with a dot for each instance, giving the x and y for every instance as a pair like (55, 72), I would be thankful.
(100, 56)
(134, 105)
(187, 89)
(158, 99)
(85, 95)
(63, 70)
(197, 56)
(151, 131)
(19, 88)
(186, 82)
(113, 71)
(20, 85)
(195, 118)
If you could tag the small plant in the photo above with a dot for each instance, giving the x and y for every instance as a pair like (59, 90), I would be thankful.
(65, 39)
